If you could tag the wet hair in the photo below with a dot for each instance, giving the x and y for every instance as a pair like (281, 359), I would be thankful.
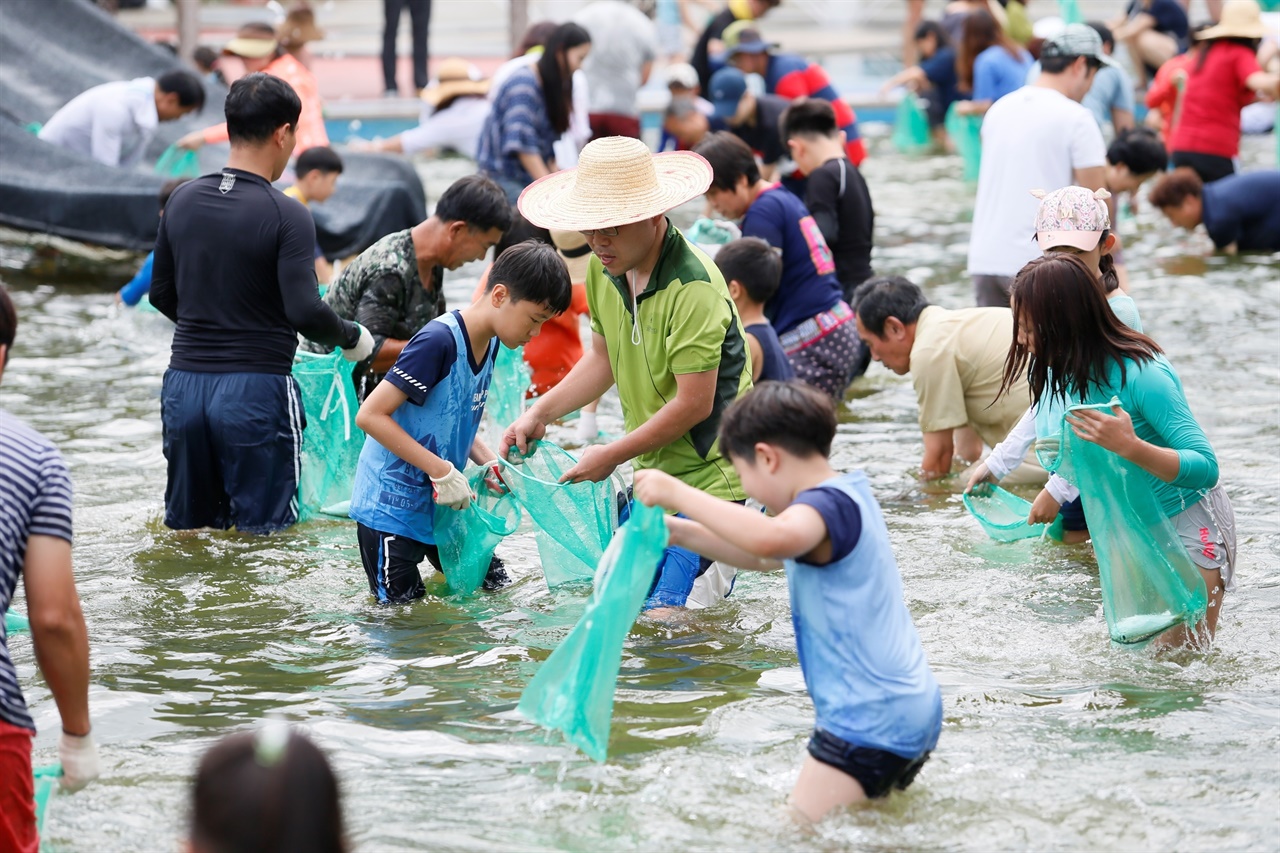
(1171, 189)
(185, 85)
(477, 201)
(257, 105)
(8, 323)
(247, 799)
(535, 36)
(877, 300)
(981, 31)
(167, 188)
(320, 158)
(932, 28)
(794, 416)
(752, 263)
(557, 82)
(730, 159)
(1104, 33)
(1076, 333)
(533, 271)
(205, 57)
(808, 117)
(1138, 149)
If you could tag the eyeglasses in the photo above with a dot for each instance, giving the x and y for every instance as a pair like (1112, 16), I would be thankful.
(603, 232)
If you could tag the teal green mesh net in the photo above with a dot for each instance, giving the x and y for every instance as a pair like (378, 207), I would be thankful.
(15, 623)
(1002, 514)
(46, 779)
(573, 690)
(573, 522)
(1070, 12)
(1149, 583)
(467, 538)
(511, 379)
(966, 132)
(910, 126)
(178, 162)
(331, 442)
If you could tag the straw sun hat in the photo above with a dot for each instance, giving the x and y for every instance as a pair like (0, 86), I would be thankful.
(1240, 19)
(454, 77)
(618, 181)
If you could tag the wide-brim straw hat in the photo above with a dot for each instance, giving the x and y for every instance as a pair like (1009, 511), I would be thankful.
(299, 27)
(454, 78)
(617, 181)
(252, 41)
(575, 251)
(1241, 19)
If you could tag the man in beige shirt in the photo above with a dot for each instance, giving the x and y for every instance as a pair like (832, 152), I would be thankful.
(956, 361)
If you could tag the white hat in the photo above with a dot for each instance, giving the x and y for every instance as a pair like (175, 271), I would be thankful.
(682, 74)
(617, 181)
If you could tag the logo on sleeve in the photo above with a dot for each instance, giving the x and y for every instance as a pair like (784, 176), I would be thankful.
(228, 181)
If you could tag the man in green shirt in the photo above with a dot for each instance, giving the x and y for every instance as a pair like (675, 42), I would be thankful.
(664, 328)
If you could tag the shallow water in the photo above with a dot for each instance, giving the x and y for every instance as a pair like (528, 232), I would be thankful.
(1053, 737)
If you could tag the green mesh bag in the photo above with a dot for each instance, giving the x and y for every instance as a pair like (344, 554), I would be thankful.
(1070, 11)
(467, 538)
(910, 126)
(46, 779)
(573, 522)
(966, 132)
(1149, 583)
(1002, 514)
(15, 623)
(331, 443)
(511, 379)
(573, 690)
(178, 162)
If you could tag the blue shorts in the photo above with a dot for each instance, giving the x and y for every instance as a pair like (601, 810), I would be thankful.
(1072, 513)
(233, 442)
(679, 568)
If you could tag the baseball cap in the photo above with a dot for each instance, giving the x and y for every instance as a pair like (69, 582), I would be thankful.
(1071, 216)
(744, 37)
(682, 74)
(1075, 40)
(727, 87)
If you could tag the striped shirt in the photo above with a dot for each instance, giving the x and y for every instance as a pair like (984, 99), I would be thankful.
(517, 124)
(35, 500)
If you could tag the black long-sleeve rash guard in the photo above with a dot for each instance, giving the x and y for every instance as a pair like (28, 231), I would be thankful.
(235, 270)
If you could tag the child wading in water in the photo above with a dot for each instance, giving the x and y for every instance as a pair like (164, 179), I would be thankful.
(879, 710)
(422, 419)
(752, 269)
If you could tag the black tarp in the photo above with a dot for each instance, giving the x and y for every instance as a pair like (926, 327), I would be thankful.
(51, 51)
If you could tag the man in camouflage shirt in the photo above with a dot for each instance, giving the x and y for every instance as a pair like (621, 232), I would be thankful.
(396, 286)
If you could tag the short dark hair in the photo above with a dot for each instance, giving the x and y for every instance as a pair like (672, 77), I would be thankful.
(1057, 64)
(888, 296)
(808, 117)
(185, 85)
(8, 323)
(257, 105)
(752, 263)
(932, 28)
(1171, 189)
(533, 271)
(792, 415)
(320, 158)
(1140, 150)
(167, 188)
(204, 57)
(245, 800)
(1104, 33)
(730, 159)
(477, 201)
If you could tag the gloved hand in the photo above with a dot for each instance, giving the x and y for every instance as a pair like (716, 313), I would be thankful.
(363, 347)
(452, 490)
(79, 759)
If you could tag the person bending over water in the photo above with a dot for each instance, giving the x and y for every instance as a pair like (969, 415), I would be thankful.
(878, 706)
(1071, 347)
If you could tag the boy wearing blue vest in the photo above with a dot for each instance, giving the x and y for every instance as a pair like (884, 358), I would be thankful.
(753, 269)
(879, 710)
(422, 419)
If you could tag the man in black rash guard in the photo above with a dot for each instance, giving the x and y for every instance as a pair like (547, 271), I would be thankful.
(234, 269)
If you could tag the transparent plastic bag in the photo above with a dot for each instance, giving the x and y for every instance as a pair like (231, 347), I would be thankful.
(1149, 583)
(966, 132)
(331, 442)
(507, 389)
(573, 522)
(467, 538)
(46, 779)
(573, 689)
(911, 126)
(15, 623)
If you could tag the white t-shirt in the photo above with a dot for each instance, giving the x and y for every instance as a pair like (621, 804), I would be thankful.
(457, 127)
(1033, 138)
(111, 123)
(623, 40)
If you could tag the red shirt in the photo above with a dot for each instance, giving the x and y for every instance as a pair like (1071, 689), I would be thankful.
(1210, 122)
(1162, 95)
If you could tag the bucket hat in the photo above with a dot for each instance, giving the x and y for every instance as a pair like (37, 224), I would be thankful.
(1071, 216)
(1241, 19)
(454, 78)
(617, 181)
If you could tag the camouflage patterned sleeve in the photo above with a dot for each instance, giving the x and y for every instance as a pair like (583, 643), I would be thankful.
(382, 309)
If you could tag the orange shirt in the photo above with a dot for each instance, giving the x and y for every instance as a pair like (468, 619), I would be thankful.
(1162, 95)
(310, 131)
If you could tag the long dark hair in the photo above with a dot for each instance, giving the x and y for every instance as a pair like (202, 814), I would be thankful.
(1206, 45)
(553, 69)
(981, 31)
(1076, 333)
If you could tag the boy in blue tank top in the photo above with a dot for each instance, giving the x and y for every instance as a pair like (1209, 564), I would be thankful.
(753, 269)
(878, 707)
(422, 419)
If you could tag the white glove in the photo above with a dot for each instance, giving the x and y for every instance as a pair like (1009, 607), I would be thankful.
(79, 759)
(363, 348)
(588, 428)
(452, 490)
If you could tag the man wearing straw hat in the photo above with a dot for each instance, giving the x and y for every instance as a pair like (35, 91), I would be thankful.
(664, 328)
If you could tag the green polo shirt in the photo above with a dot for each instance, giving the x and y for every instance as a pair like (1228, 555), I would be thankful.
(687, 324)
